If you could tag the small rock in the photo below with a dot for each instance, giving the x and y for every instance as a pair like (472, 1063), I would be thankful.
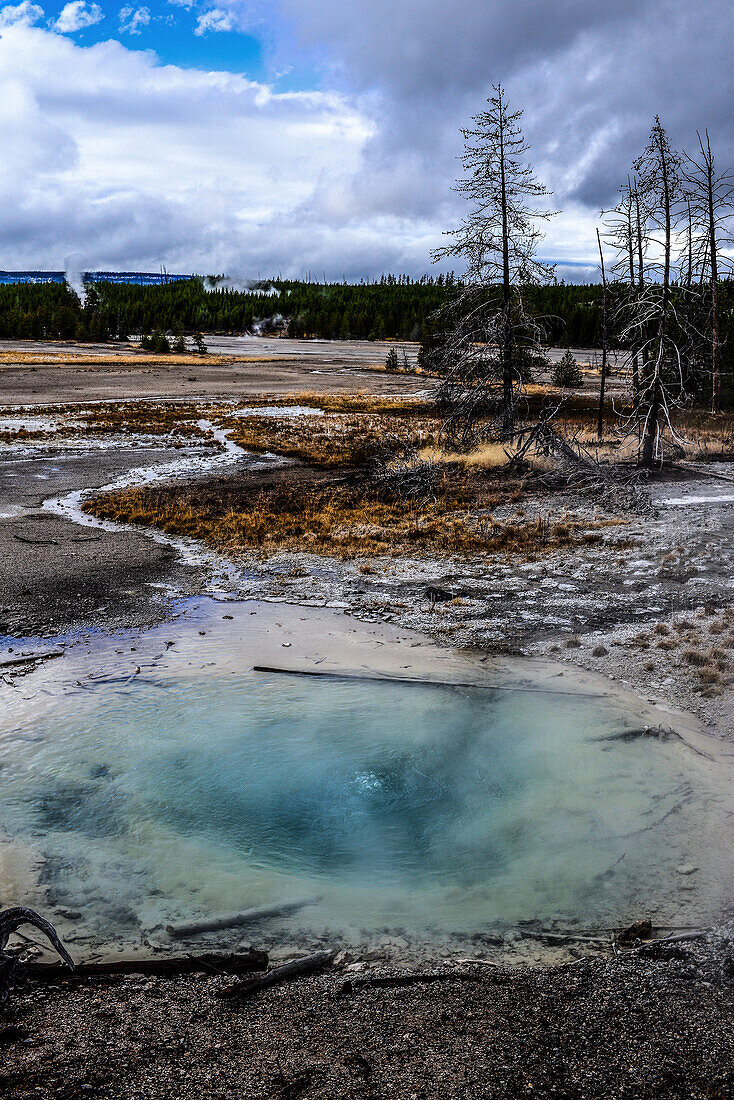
(686, 869)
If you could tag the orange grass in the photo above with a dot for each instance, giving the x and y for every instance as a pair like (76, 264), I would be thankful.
(340, 522)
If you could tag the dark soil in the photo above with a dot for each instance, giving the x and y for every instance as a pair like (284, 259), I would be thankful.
(55, 575)
(635, 1027)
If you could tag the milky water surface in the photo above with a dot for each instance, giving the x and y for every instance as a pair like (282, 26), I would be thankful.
(193, 787)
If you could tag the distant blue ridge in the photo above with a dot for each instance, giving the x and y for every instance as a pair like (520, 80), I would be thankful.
(144, 278)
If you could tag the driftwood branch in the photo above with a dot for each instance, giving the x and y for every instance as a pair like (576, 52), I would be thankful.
(10, 662)
(237, 920)
(298, 968)
(10, 921)
(211, 963)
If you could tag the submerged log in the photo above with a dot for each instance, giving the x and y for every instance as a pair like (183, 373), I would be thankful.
(298, 968)
(243, 962)
(236, 920)
(378, 678)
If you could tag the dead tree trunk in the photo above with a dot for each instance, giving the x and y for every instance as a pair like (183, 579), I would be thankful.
(507, 379)
(662, 156)
(631, 257)
(604, 345)
(713, 249)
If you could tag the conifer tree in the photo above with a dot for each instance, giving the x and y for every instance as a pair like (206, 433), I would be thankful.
(492, 342)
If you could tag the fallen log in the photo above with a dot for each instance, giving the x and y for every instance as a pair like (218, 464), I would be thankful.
(380, 679)
(236, 920)
(9, 662)
(298, 968)
(242, 962)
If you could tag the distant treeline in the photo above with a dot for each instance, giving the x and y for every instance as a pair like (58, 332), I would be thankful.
(395, 307)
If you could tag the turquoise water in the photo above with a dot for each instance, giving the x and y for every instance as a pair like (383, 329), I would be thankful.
(190, 791)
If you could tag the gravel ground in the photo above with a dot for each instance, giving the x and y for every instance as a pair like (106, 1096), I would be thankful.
(643, 1025)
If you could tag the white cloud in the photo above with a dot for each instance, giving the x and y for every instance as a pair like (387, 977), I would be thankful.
(24, 15)
(76, 15)
(590, 77)
(214, 20)
(132, 163)
(133, 19)
(129, 163)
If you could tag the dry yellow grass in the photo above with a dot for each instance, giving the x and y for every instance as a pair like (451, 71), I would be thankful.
(488, 456)
(360, 402)
(339, 521)
(171, 418)
(333, 439)
(117, 359)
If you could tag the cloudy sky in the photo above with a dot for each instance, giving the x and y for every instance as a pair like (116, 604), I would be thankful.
(290, 136)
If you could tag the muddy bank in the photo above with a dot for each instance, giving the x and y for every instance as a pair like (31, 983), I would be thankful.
(55, 579)
(656, 1023)
(56, 576)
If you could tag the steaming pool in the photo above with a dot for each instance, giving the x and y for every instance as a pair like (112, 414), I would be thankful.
(196, 786)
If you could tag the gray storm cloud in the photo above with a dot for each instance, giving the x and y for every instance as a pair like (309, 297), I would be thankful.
(353, 178)
(590, 77)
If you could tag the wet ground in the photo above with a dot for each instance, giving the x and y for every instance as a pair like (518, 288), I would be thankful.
(251, 366)
(236, 366)
(56, 575)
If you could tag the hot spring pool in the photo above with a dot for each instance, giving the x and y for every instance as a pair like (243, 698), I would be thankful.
(200, 787)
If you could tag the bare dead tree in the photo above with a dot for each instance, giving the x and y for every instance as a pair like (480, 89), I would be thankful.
(623, 230)
(710, 204)
(658, 170)
(604, 340)
(491, 344)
